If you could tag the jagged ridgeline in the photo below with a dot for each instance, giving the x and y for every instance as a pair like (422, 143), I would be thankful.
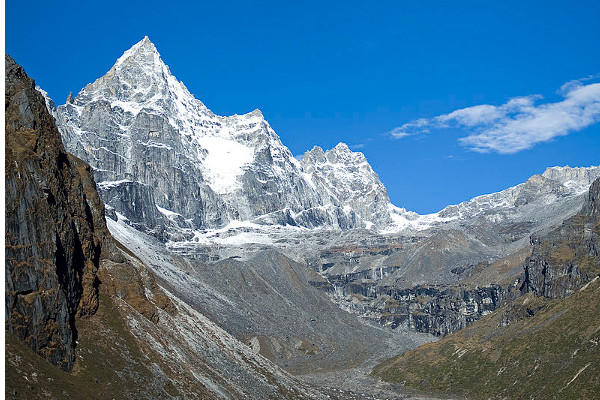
(172, 168)
(54, 227)
(163, 160)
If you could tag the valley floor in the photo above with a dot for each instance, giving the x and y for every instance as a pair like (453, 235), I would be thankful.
(357, 383)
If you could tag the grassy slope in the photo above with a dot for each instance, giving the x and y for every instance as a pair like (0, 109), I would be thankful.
(553, 354)
(109, 365)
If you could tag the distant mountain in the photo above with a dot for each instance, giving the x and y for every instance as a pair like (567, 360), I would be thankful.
(446, 247)
(446, 270)
(165, 162)
(346, 180)
(527, 201)
(172, 168)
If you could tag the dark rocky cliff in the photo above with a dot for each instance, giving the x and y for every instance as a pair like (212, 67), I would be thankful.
(568, 257)
(54, 227)
(439, 310)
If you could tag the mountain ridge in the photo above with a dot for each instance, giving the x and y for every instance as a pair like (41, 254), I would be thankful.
(148, 138)
(138, 123)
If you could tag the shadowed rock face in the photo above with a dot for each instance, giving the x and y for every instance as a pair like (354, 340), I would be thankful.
(54, 227)
(568, 257)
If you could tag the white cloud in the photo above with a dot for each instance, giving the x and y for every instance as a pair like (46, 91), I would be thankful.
(518, 124)
(412, 128)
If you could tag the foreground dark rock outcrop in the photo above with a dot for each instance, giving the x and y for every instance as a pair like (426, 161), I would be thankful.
(54, 227)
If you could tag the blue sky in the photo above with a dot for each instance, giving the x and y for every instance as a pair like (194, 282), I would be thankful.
(476, 94)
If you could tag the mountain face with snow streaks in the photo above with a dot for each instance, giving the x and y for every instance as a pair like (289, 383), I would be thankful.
(554, 184)
(346, 180)
(163, 160)
(170, 167)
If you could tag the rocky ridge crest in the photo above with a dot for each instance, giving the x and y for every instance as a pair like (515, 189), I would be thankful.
(54, 226)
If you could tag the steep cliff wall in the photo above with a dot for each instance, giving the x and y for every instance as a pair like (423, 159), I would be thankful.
(54, 227)
(439, 310)
(568, 257)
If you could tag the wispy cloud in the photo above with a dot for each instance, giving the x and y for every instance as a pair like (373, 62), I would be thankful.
(357, 146)
(453, 157)
(518, 124)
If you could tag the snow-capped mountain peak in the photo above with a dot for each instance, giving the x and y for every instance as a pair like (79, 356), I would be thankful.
(527, 201)
(577, 179)
(159, 153)
(349, 180)
(342, 154)
(143, 52)
(140, 81)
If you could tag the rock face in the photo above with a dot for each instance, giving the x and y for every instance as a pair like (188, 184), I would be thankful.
(568, 257)
(167, 163)
(349, 182)
(439, 310)
(54, 227)
(591, 207)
